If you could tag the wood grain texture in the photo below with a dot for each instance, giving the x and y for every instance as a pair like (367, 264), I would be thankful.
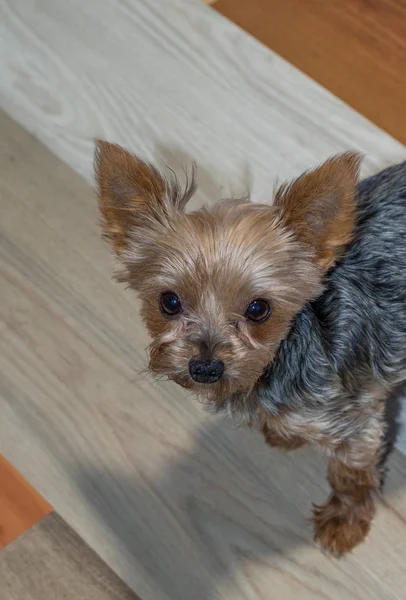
(179, 503)
(355, 48)
(173, 81)
(51, 562)
(20, 505)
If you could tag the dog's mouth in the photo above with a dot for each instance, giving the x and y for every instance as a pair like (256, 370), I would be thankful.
(211, 388)
(212, 379)
(213, 394)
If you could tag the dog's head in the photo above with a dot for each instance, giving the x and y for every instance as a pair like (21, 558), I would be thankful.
(221, 285)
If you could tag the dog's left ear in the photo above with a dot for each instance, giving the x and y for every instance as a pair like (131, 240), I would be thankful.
(319, 207)
(133, 194)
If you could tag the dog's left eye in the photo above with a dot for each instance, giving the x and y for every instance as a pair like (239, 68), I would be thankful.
(258, 311)
(170, 304)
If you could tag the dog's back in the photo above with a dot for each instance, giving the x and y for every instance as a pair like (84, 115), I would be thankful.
(355, 332)
(366, 295)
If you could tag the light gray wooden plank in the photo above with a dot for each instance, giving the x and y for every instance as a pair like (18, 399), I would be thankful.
(175, 501)
(173, 80)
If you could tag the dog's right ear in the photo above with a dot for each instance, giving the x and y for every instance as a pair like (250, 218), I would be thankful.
(319, 207)
(133, 194)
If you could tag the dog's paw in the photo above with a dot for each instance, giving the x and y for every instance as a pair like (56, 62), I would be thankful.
(339, 531)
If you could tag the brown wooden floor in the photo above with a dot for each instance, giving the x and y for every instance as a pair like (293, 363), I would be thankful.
(355, 48)
(20, 505)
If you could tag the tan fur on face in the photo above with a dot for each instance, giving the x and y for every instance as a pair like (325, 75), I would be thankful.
(219, 260)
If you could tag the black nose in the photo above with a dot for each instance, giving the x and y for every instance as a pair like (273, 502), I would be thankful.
(206, 371)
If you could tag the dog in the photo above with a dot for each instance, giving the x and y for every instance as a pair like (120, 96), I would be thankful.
(290, 315)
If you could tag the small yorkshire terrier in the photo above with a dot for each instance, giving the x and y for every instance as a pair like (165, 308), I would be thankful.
(291, 315)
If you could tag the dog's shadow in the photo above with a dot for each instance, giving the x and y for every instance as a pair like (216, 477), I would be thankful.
(227, 503)
(229, 499)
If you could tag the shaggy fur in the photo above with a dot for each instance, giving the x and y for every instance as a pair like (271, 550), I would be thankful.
(328, 256)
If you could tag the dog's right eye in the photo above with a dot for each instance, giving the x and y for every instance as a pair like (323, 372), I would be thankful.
(258, 311)
(170, 304)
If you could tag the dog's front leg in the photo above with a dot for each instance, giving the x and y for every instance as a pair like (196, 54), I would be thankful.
(344, 521)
